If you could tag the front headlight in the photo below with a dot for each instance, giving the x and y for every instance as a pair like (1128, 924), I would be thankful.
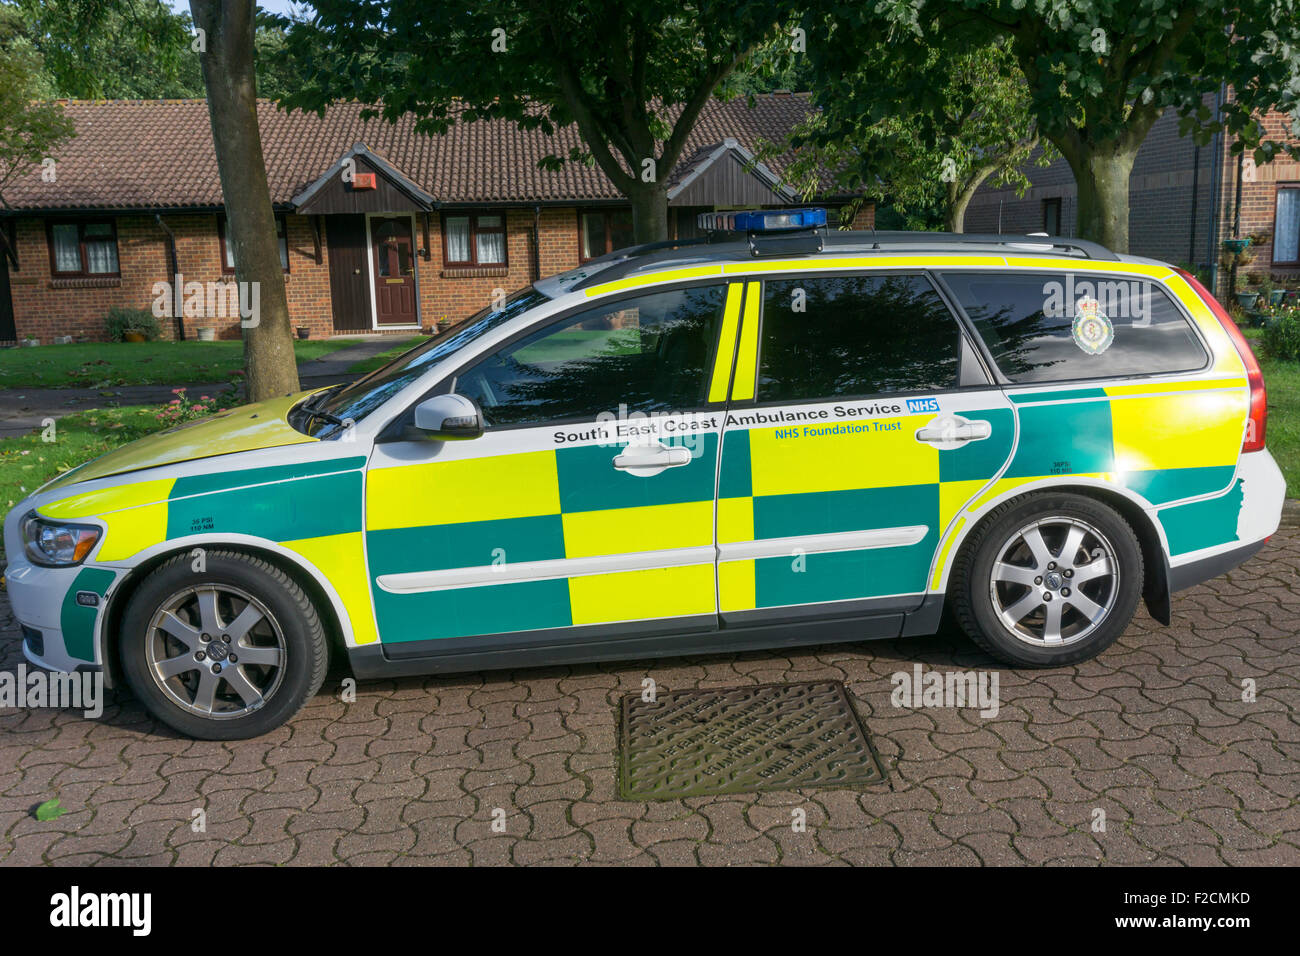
(57, 544)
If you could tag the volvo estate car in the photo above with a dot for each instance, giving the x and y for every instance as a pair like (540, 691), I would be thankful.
(771, 436)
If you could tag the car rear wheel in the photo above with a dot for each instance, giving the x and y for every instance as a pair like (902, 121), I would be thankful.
(1048, 580)
(227, 652)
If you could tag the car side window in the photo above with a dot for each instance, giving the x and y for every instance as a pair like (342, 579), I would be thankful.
(1057, 327)
(652, 353)
(830, 336)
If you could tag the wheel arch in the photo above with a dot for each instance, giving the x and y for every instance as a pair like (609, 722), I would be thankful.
(1155, 574)
(328, 605)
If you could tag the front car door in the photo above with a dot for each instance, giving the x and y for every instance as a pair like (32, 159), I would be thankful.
(587, 504)
(861, 423)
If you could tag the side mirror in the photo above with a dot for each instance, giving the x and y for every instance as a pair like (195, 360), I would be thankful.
(449, 418)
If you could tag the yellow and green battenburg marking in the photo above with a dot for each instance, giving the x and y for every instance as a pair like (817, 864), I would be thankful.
(538, 506)
(312, 509)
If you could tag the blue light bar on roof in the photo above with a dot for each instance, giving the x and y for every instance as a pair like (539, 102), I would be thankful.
(762, 220)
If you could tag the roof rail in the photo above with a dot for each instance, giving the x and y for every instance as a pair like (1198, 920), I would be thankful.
(1032, 242)
(623, 262)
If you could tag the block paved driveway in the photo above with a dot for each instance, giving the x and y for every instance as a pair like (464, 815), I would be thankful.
(1155, 734)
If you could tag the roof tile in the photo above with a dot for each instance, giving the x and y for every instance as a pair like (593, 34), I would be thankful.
(132, 154)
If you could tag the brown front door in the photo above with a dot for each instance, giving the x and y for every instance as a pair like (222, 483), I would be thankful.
(349, 275)
(394, 247)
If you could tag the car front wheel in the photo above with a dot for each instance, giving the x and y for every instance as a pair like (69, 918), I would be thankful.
(1049, 580)
(225, 652)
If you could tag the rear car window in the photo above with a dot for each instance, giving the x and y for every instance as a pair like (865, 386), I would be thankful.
(855, 335)
(1056, 327)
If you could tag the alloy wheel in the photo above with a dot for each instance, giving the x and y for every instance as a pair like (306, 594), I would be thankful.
(1055, 580)
(216, 651)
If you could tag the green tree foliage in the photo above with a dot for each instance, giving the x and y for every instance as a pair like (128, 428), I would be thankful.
(1100, 72)
(633, 76)
(134, 49)
(31, 127)
(978, 126)
(115, 49)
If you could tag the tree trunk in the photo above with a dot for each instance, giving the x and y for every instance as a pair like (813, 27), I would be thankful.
(649, 212)
(227, 25)
(1102, 172)
(959, 196)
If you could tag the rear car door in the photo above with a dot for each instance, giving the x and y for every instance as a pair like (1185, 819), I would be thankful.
(587, 501)
(1112, 384)
(861, 423)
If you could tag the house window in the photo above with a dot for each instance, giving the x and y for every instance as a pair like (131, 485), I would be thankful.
(83, 248)
(1052, 216)
(228, 250)
(474, 239)
(1286, 226)
(601, 231)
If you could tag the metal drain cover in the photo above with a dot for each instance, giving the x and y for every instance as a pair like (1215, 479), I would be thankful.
(743, 740)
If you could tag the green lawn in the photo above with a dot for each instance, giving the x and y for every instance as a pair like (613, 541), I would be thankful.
(1282, 380)
(386, 356)
(106, 364)
(28, 461)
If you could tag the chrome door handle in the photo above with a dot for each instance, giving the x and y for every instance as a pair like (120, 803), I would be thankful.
(953, 431)
(650, 459)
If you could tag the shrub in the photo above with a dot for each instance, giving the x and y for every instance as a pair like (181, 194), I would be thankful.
(1282, 334)
(182, 408)
(119, 321)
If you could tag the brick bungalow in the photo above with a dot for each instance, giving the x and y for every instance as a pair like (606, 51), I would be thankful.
(1184, 201)
(381, 228)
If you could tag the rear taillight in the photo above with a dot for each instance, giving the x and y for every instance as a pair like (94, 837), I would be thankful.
(1254, 437)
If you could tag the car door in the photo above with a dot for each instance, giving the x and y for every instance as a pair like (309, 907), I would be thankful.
(861, 423)
(587, 502)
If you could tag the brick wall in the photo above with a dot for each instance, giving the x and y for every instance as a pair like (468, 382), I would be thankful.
(450, 295)
(46, 306)
(865, 217)
(1258, 206)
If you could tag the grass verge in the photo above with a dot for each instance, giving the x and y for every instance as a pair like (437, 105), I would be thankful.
(107, 364)
(28, 461)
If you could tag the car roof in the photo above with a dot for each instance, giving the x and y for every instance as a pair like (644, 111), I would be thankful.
(814, 244)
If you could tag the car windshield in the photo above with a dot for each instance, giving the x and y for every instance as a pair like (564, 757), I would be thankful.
(355, 401)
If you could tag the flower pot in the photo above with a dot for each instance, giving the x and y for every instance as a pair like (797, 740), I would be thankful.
(1236, 246)
(304, 332)
(1275, 297)
(130, 335)
(207, 334)
(1247, 299)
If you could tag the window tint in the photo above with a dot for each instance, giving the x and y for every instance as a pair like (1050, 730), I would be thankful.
(354, 402)
(651, 353)
(1054, 327)
(855, 335)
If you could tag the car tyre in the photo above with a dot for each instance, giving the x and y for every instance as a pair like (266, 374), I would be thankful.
(1048, 580)
(225, 649)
